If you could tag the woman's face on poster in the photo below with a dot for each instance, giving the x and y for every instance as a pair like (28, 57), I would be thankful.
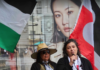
(65, 14)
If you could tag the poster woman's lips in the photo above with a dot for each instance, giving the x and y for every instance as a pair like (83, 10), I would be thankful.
(67, 29)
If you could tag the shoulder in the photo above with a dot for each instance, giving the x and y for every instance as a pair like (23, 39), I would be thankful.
(35, 64)
(62, 60)
(84, 59)
(86, 63)
(53, 63)
(63, 64)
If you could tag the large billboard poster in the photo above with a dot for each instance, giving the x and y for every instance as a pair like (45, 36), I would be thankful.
(65, 14)
(51, 22)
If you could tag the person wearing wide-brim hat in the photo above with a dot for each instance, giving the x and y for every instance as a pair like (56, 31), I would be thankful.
(42, 57)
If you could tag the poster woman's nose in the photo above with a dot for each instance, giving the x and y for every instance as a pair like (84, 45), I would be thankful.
(65, 20)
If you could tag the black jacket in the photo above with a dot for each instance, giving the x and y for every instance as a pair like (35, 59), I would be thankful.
(63, 64)
(36, 66)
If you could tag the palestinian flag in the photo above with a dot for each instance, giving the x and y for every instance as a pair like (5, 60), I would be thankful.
(14, 15)
(84, 33)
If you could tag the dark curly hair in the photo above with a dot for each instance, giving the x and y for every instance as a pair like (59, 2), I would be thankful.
(66, 43)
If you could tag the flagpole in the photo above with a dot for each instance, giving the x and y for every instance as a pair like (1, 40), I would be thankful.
(33, 31)
(16, 58)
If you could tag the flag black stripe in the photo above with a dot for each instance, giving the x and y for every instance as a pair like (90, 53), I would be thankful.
(26, 6)
(96, 9)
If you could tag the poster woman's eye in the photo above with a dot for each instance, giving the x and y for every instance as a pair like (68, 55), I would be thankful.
(57, 15)
(69, 12)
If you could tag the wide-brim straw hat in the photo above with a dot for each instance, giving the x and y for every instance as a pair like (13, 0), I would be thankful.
(40, 47)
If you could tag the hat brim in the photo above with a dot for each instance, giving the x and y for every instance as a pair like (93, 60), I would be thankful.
(34, 55)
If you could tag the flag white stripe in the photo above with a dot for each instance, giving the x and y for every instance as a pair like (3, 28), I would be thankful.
(87, 4)
(12, 17)
(97, 60)
(88, 31)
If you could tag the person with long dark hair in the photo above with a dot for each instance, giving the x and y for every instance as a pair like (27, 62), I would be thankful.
(72, 59)
(42, 57)
(65, 13)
